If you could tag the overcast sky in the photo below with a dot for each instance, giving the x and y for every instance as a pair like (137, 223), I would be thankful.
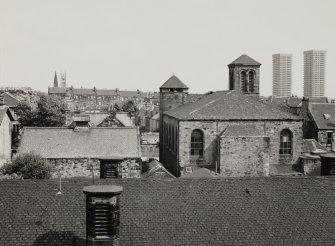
(139, 44)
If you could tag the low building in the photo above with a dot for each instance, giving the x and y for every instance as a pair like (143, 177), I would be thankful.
(319, 122)
(109, 152)
(152, 123)
(213, 211)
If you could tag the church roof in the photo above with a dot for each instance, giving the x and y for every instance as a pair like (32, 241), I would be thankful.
(174, 82)
(245, 60)
(230, 105)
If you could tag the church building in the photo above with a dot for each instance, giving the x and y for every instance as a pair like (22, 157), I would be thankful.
(230, 132)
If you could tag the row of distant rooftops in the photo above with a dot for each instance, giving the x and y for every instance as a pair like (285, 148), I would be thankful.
(173, 82)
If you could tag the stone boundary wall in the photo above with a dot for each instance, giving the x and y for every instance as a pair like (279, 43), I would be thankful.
(78, 167)
(82, 167)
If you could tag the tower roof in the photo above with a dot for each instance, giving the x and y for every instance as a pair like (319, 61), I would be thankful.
(245, 60)
(174, 82)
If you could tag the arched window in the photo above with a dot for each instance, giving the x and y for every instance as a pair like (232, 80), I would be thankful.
(251, 81)
(244, 81)
(285, 147)
(197, 143)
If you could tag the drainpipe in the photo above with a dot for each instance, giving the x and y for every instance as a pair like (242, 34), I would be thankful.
(218, 148)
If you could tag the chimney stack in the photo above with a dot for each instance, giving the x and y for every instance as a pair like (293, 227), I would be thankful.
(102, 214)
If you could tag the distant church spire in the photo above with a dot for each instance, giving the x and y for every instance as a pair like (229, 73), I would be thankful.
(55, 80)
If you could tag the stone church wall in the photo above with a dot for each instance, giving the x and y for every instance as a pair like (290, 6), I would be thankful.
(244, 156)
(212, 129)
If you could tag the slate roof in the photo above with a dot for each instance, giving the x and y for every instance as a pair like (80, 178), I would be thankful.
(312, 146)
(10, 100)
(318, 110)
(318, 100)
(174, 82)
(243, 130)
(124, 119)
(3, 112)
(294, 102)
(53, 142)
(156, 166)
(230, 105)
(245, 60)
(279, 210)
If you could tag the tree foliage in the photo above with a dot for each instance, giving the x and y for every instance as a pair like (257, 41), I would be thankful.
(49, 112)
(130, 107)
(30, 166)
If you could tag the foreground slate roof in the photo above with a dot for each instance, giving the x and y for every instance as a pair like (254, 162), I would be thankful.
(318, 110)
(230, 105)
(56, 142)
(240, 211)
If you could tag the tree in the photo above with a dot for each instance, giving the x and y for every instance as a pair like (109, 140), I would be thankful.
(130, 107)
(49, 112)
(30, 166)
(117, 107)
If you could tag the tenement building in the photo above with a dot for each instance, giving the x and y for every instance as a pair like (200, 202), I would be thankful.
(314, 73)
(281, 75)
(231, 132)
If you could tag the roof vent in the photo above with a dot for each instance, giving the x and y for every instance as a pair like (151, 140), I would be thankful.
(102, 214)
(326, 116)
(81, 123)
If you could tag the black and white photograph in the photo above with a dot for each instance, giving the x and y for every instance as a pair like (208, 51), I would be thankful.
(167, 122)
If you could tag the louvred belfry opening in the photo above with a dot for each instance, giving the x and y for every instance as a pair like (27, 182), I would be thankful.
(102, 214)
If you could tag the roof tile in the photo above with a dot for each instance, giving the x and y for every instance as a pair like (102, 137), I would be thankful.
(278, 210)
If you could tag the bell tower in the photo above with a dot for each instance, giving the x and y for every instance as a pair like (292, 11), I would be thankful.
(244, 75)
(63, 79)
(172, 94)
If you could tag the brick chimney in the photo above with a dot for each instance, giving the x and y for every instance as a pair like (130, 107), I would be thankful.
(102, 214)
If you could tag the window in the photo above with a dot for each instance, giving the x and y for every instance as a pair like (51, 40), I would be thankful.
(197, 143)
(329, 139)
(244, 81)
(251, 81)
(285, 142)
